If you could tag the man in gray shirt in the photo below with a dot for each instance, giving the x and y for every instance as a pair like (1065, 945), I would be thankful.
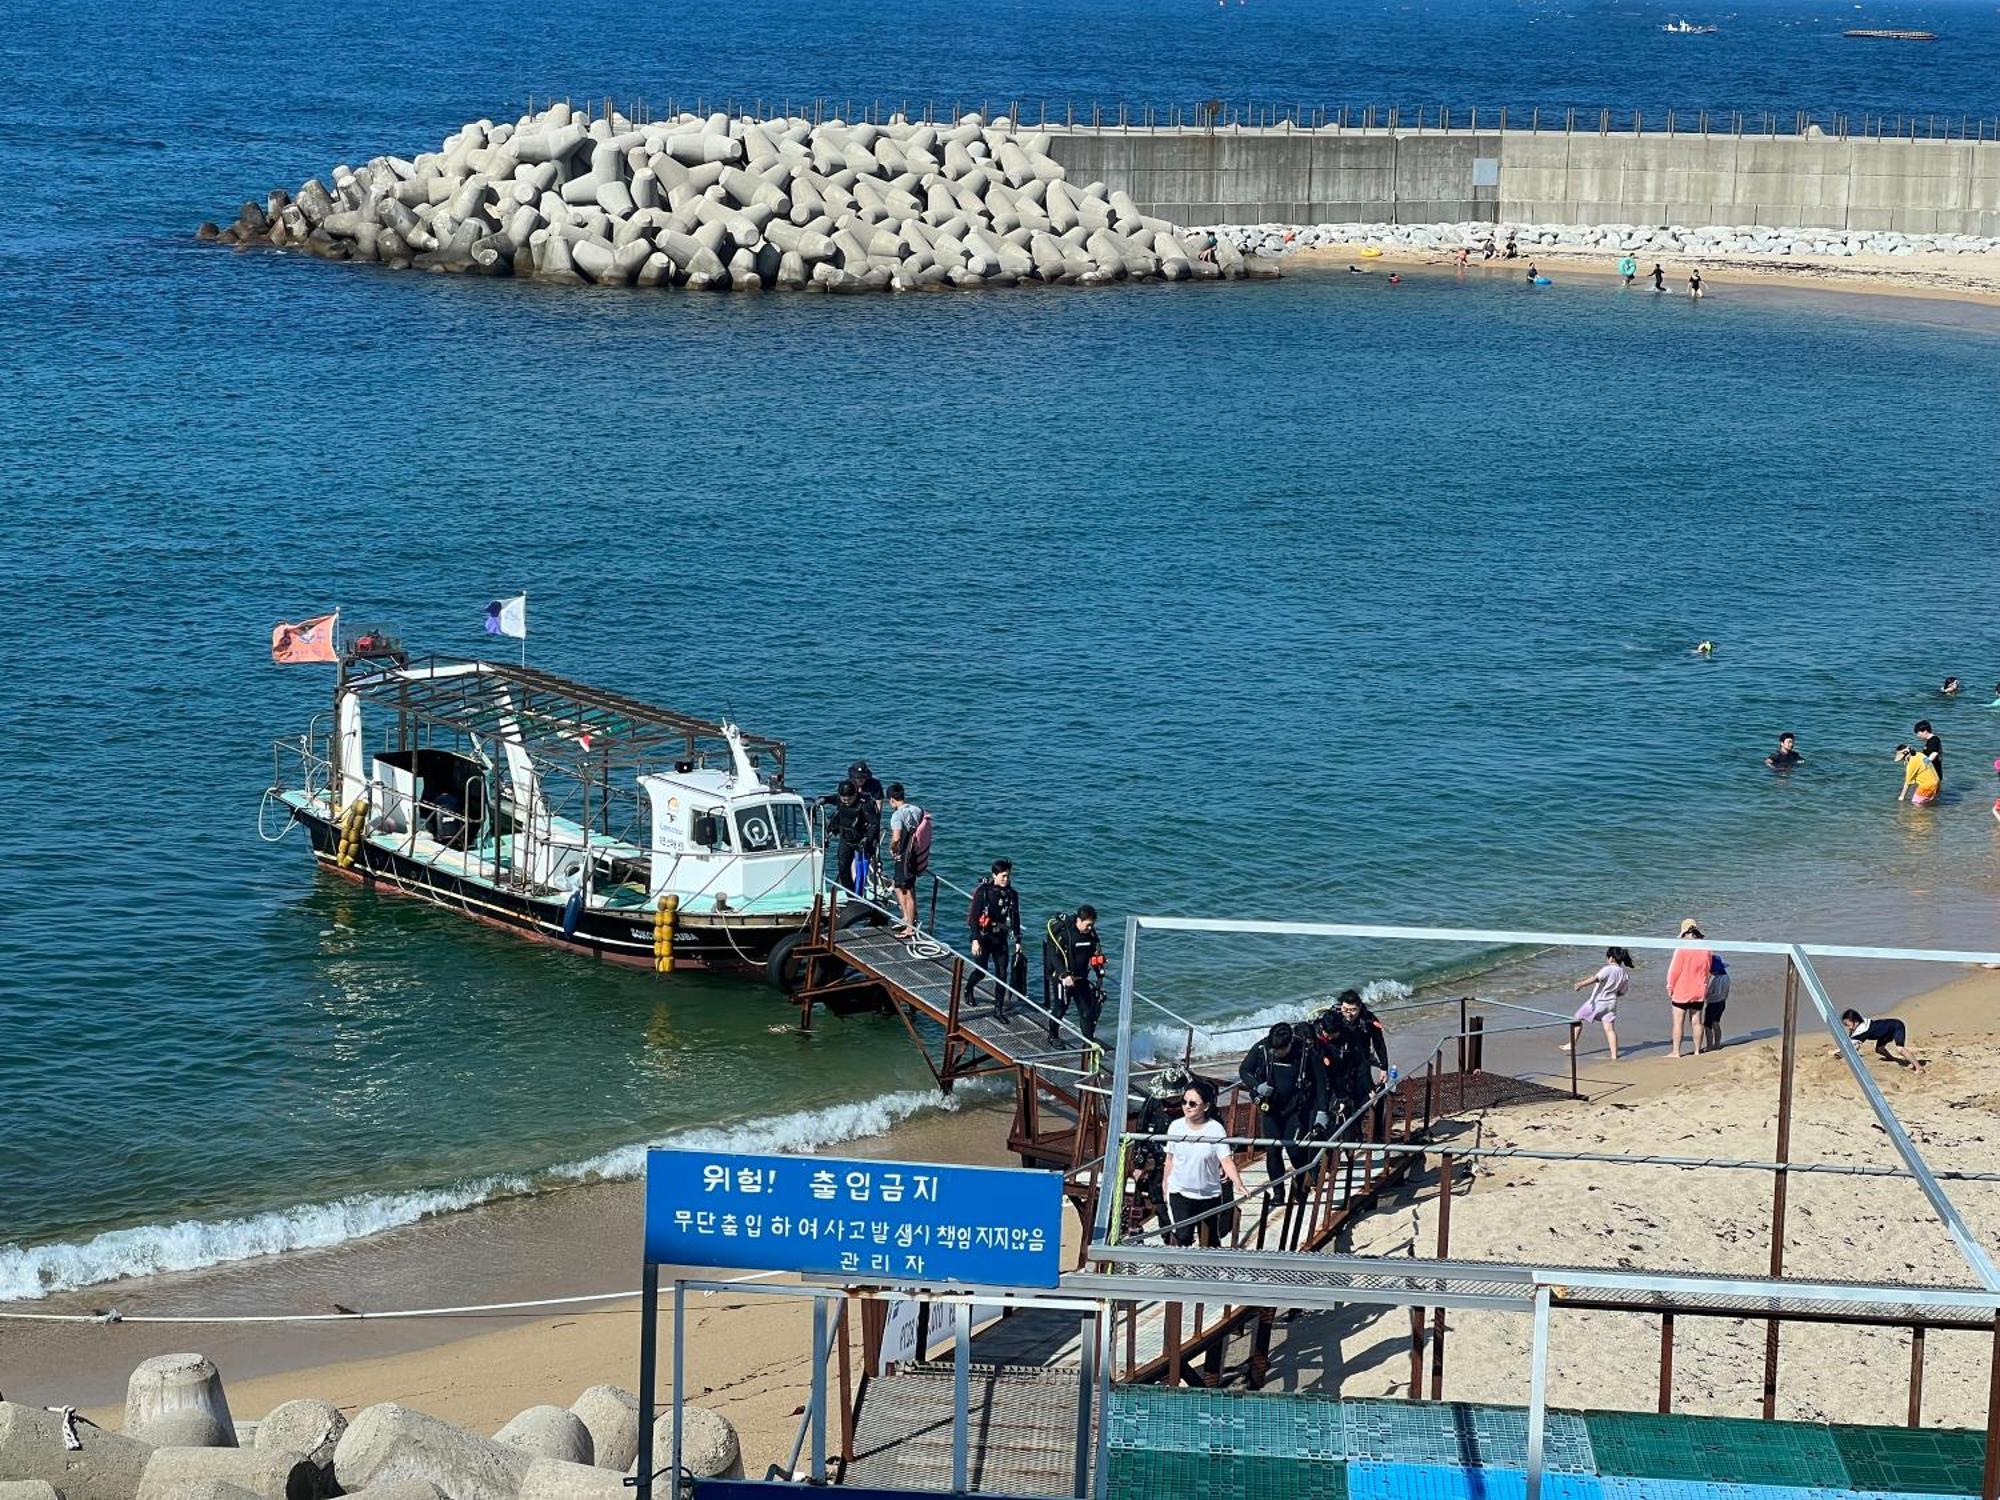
(910, 847)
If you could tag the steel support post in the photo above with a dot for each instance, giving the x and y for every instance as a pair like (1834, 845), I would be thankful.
(961, 1394)
(680, 1370)
(649, 1353)
(1089, 1350)
(1538, 1392)
(1780, 1179)
(818, 1414)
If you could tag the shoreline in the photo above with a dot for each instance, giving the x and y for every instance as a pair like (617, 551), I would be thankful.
(1967, 279)
(479, 1368)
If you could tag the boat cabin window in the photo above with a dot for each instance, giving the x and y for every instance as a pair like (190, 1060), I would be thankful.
(772, 825)
(710, 830)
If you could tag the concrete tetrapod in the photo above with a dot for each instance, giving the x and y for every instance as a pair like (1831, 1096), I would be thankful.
(549, 1432)
(28, 1489)
(307, 1426)
(108, 1466)
(391, 1442)
(177, 1399)
(709, 1448)
(267, 1474)
(547, 194)
(611, 1415)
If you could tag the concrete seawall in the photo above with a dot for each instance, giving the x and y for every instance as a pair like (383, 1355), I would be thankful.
(1194, 176)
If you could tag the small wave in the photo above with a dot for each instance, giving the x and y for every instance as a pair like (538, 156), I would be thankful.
(31, 1272)
(1236, 1034)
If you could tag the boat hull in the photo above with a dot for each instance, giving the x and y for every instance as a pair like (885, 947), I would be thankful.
(714, 942)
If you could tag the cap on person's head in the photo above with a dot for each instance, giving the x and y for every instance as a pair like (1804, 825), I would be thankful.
(1689, 925)
(1002, 866)
(1281, 1034)
(1086, 913)
(895, 791)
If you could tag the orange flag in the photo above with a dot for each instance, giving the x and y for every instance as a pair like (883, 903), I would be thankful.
(309, 640)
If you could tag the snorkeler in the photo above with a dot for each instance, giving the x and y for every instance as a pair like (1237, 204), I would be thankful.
(1705, 648)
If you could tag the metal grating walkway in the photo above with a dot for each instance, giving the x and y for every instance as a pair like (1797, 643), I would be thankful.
(1022, 1433)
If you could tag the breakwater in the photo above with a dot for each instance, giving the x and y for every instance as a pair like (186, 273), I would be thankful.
(1303, 175)
(1678, 241)
(712, 202)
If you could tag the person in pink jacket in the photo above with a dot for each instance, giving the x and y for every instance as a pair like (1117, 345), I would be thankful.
(1687, 986)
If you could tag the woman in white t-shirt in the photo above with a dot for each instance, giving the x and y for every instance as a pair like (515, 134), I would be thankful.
(1197, 1162)
(1607, 986)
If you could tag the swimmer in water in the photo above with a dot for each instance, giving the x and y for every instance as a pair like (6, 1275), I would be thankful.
(1920, 777)
(1786, 755)
(1628, 268)
(1659, 277)
(1950, 688)
(1705, 648)
(1694, 283)
(1532, 273)
(1395, 278)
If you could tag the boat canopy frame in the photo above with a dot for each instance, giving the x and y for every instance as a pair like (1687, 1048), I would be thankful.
(545, 715)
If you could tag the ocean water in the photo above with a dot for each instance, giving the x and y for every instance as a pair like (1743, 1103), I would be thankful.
(1307, 598)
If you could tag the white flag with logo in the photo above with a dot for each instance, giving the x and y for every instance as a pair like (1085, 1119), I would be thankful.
(508, 616)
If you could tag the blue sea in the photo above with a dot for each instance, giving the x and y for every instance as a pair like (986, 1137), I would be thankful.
(1307, 598)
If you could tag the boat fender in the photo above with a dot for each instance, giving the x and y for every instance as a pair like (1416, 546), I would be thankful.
(572, 909)
(778, 967)
(664, 921)
(352, 824)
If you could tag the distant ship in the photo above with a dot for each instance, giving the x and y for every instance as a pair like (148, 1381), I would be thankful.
(1892, 35)
(1687, 28)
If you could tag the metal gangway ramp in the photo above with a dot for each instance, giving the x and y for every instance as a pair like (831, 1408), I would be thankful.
(965, 1022)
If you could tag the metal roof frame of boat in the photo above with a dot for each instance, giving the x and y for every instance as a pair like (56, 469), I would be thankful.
(544, 714)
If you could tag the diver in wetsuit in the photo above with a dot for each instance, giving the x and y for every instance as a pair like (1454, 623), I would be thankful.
(1073, 970)
(1350, 1048)
(848, 828)
(1279, 1074)
(993, 918)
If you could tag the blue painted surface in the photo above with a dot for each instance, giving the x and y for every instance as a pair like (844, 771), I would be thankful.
(1368, 1480)
(880, 1220)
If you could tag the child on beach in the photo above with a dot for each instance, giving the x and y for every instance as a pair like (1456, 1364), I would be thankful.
(1607, 985)
(1687, 986)
(1888, 1034)
(1920, 778)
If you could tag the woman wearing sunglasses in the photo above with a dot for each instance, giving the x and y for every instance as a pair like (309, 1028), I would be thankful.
(1197, 1162)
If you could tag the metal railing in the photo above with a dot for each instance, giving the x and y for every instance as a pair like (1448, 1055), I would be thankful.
(1219, 115)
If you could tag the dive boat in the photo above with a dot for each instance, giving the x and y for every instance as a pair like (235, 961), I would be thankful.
(1687, 28)
(570, 815)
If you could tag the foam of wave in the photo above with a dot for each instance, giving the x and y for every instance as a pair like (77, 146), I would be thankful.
(1235, 1034)
(30, 1272)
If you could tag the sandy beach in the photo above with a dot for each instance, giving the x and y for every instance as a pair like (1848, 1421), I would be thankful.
(747, 1355)
(1973, 277)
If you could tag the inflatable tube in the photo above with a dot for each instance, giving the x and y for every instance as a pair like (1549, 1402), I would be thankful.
(1371, 253)
(1543, 281)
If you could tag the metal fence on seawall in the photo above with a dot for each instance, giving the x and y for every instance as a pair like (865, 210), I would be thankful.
(1226, 115)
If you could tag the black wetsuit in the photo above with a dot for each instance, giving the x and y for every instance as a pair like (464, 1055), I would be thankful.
(1070, 953)
(993, 921)
(848, 827)
(1290, 1110)
(1346, 1058)
(1659, 279)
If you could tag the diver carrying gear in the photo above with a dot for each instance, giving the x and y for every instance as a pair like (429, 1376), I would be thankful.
(993, 920)
(1278, 1071)
(1073, 970)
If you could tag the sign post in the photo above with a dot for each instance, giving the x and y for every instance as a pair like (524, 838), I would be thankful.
(887, 1224)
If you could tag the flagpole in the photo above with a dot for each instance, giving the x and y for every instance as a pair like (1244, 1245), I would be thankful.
(524, 627)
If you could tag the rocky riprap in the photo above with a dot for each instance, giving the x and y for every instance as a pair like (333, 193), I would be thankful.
(1711, 239)
(727, 202)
